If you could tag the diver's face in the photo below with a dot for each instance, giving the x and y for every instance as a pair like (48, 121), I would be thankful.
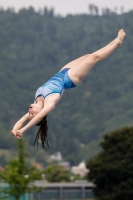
(34, 109)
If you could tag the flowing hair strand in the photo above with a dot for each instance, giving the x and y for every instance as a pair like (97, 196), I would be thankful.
(42, 133)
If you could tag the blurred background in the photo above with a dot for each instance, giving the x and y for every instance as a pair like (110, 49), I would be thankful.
(37, 38)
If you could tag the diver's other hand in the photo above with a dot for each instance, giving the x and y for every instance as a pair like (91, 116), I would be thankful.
(17, 134)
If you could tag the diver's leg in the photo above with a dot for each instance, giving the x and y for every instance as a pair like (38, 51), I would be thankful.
(78, 72)
(78, 60)
(73, 62)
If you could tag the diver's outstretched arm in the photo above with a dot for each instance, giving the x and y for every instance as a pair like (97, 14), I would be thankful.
(20, 123)
(19, 132)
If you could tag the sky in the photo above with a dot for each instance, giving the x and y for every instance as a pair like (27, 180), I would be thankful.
(64, 7)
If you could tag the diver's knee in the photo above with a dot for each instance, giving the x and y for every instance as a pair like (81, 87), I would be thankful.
(95, 57)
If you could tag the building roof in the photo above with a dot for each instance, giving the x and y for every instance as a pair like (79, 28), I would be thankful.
(70, 185)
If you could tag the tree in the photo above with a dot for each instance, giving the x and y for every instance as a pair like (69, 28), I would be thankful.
(112, 169)
(94, 10)
(122, 9)
(106, 11)
(19, 176)
(57, 173)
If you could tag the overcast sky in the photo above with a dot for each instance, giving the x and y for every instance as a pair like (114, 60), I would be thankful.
(64, 7)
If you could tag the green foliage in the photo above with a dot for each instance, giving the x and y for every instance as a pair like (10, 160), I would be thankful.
(57, 173)
(34, 46)
(19, 176)
(112, 169)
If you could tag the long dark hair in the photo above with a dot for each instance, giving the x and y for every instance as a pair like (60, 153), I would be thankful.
(42, 133)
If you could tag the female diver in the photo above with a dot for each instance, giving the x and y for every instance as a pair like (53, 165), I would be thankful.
(49, 94)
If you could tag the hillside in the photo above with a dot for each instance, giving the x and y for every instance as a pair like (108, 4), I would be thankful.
(33, 47)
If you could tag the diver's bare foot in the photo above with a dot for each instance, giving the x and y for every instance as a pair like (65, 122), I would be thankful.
(120, 37)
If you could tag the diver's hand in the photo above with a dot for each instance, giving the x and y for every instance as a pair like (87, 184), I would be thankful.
(17, 134)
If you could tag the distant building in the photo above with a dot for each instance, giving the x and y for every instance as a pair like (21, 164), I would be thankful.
(66, 165)
(56, 156)
(2, 168)
(58, 191)
(80, 170)
(74, 190)
(38, 166)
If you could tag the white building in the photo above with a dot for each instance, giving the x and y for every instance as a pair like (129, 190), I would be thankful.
(80, 170)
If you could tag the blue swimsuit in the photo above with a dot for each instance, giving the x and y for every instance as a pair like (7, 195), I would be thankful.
(56, 84)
